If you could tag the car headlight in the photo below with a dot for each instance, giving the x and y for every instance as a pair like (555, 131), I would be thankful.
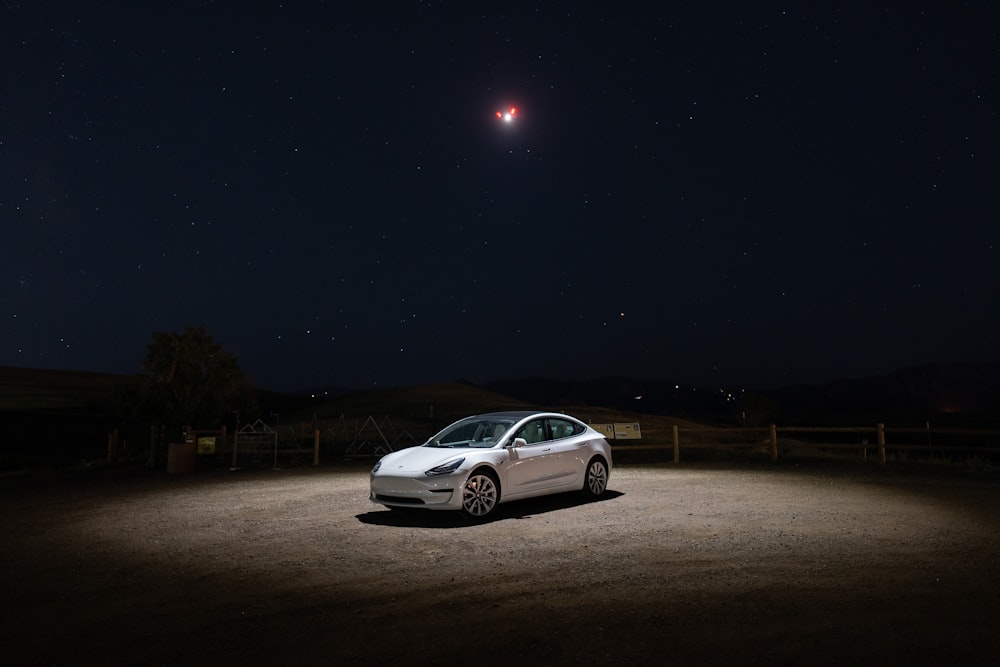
(445, 468)
(378, 465)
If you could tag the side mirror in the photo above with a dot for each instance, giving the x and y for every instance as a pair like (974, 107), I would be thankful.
(519, 442)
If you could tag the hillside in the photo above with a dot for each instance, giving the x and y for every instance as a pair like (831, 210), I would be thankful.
(68, 414)
(963, 394)
(31, 389)
(52, 416)
(415, 413)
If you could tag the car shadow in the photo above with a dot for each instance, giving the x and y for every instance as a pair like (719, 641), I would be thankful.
(518, 509)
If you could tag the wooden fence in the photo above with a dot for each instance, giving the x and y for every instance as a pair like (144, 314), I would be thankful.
(256, 442)
(867, 441)
(877, 440)
(302, 442)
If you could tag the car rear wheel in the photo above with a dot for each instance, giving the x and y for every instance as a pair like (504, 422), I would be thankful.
(596, 481)
(480, 494)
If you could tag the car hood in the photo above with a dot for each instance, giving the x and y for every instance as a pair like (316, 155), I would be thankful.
(419, 459)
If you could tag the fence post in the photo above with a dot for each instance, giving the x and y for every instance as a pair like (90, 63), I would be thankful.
(151, 463)
(316, 447)
(880, 430)
(113, 447)
(773, 430)
(677, 444)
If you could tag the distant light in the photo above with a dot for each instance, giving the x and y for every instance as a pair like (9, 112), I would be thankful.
(508, 115)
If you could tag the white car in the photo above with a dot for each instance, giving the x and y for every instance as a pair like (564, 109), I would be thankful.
(481, 461)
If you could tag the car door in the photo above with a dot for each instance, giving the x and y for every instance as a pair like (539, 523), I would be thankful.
(566, 444)
(532, 466)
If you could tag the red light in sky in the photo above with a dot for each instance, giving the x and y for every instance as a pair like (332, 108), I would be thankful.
(507, 115)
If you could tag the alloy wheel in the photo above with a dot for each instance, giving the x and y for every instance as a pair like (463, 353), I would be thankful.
(479, 495)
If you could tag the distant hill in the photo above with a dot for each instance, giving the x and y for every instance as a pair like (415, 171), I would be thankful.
(654, 397)
(945, 392)
(450, 400)
(54, 415)
(421, 410)
(32, 389)
(932, 389)
(951, 392)
(71, 413)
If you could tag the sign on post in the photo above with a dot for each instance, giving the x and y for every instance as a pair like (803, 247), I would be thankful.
(627, 431)
(206, 445)
(619, 431)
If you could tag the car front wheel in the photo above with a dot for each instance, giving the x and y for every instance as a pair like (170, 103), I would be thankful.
(596, 480)
(480, 494)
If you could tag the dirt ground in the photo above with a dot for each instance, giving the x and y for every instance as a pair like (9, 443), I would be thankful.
(710, 563)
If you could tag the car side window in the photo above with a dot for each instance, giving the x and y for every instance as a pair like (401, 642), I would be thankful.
(532, 432)
(563, 429)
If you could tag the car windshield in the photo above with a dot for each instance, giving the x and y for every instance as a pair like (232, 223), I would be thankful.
(480, 432)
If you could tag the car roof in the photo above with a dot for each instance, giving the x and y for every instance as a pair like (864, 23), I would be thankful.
(518, 414)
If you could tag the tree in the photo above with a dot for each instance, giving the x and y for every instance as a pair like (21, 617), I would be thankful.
(188, 379)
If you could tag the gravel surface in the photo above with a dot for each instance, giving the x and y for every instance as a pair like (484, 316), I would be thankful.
(747, 563)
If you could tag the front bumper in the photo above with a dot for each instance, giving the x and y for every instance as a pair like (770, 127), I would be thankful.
(442, 492)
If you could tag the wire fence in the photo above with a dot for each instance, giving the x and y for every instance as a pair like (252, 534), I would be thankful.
(356, 439)
(877, 441)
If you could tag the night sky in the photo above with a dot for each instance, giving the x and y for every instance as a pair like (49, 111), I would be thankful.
(718, 193)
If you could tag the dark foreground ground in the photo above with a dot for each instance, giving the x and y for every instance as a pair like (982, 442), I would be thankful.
(686, 564)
